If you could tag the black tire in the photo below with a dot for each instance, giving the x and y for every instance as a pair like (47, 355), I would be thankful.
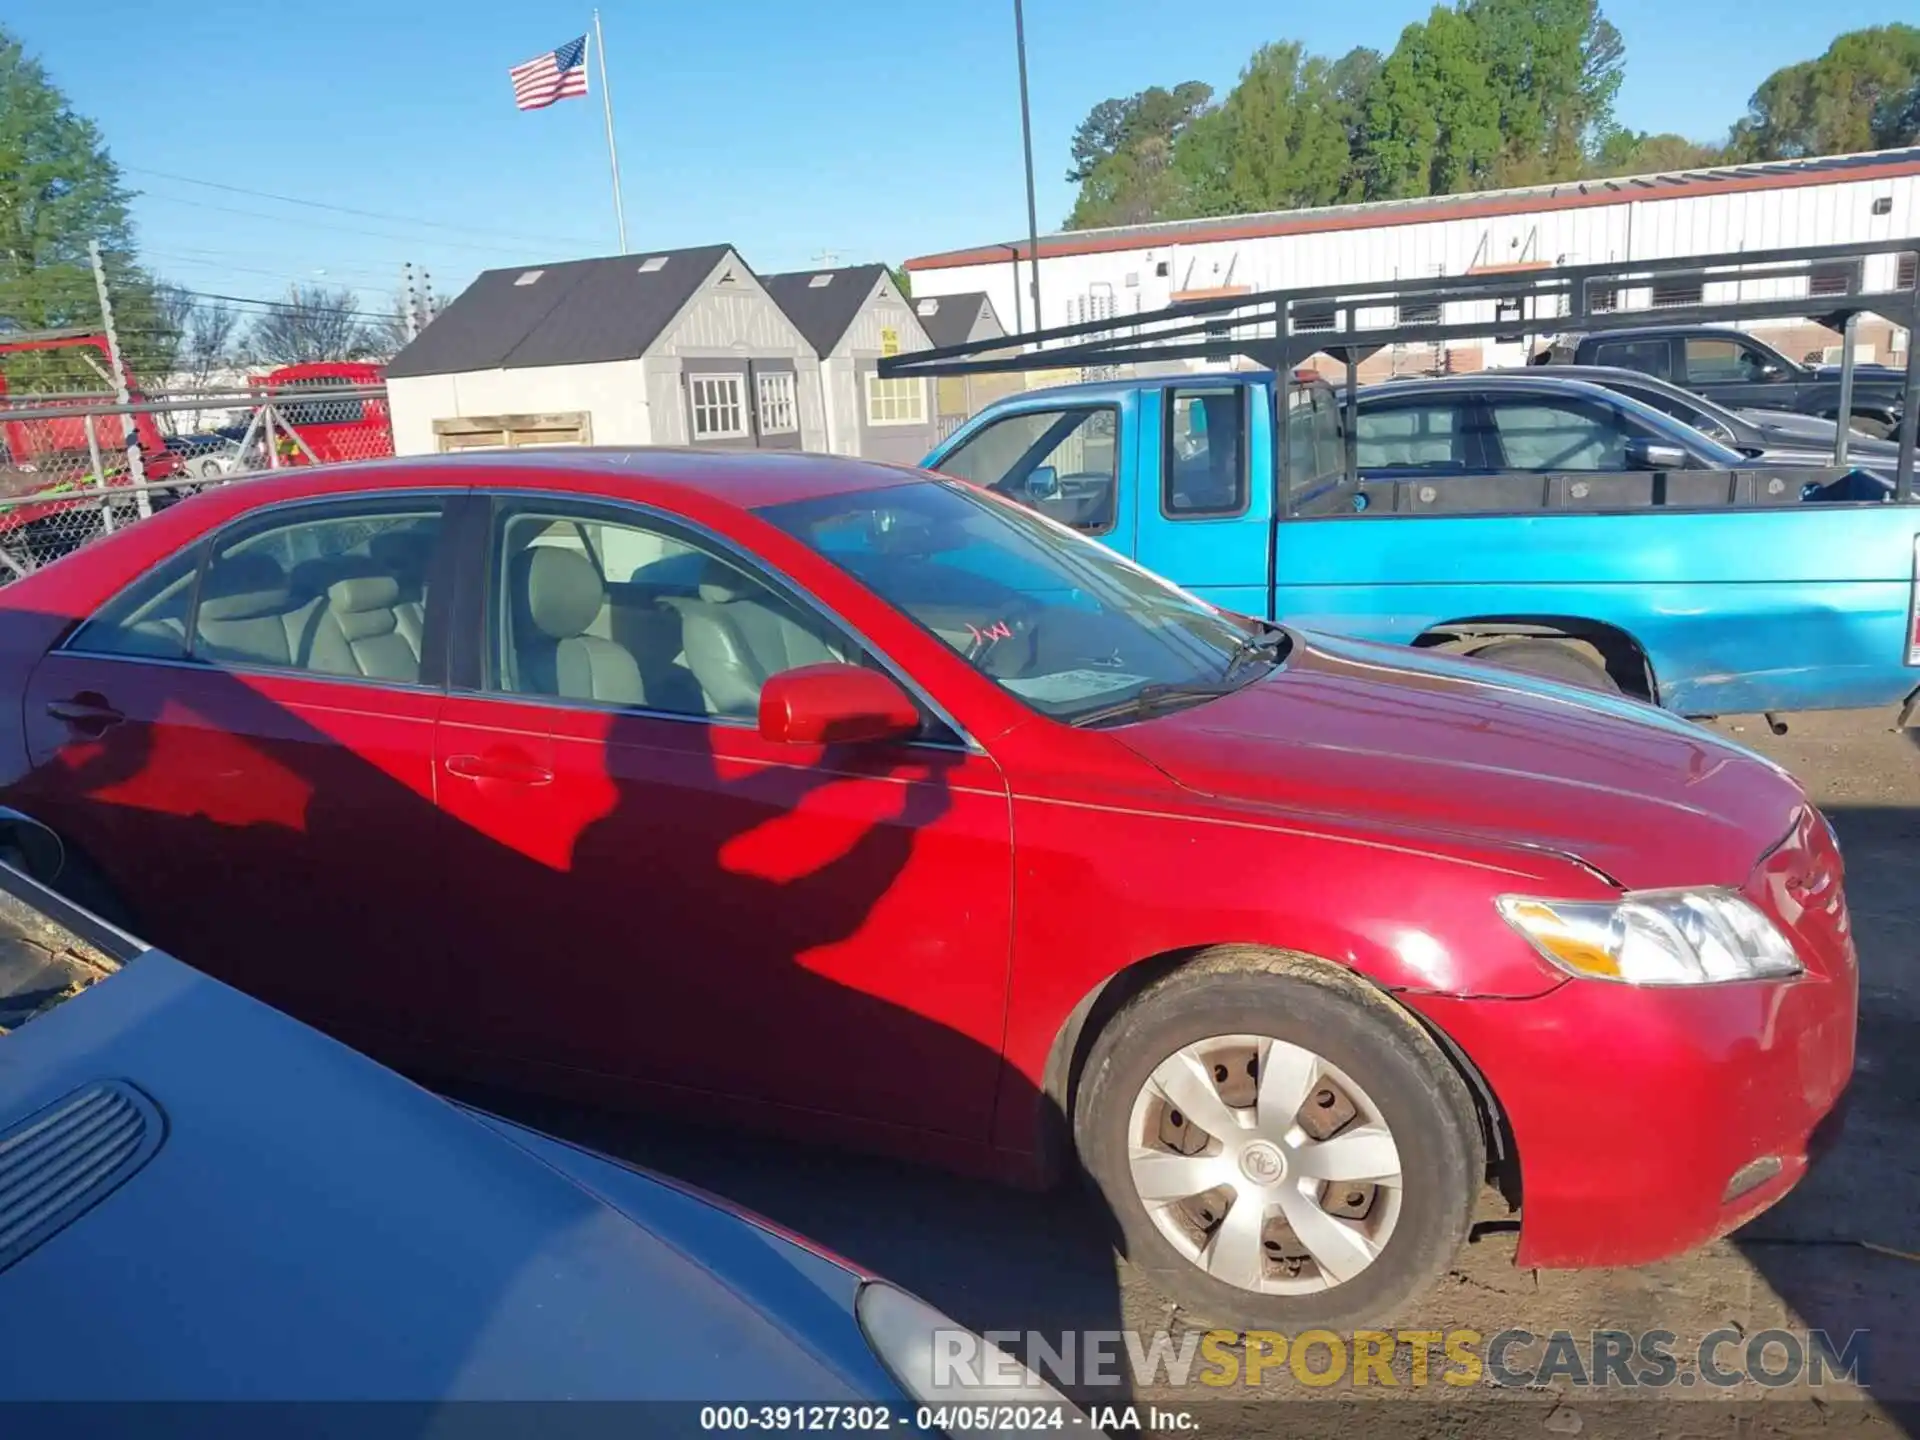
(1550, 660)
(1422, 1099)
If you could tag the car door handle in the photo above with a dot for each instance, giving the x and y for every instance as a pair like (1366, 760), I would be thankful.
(87, 713)
(516, 769)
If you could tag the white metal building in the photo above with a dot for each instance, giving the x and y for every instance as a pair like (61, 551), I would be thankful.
(679, 347)
(1095, 274)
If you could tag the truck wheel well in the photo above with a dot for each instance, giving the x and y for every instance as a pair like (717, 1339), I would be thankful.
(1622, 655)
(1074, 1042)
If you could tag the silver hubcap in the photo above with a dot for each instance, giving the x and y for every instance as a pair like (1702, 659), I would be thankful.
(1264, 1164)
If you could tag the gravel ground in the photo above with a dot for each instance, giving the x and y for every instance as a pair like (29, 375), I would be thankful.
(1000, 1260)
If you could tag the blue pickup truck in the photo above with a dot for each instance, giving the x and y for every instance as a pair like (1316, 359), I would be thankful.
(1550, 526)
(1485, 520)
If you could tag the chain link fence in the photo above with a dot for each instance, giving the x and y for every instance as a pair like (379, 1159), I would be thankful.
(76, 466)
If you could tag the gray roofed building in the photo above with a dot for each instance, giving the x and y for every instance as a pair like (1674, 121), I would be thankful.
(575, 312)
(823, 303)
(956, 319)
(670, 347)
(852, 317)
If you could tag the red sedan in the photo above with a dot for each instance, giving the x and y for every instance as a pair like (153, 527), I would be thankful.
(853, 801)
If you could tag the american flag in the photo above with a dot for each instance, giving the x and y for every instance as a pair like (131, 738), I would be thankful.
(559, 74)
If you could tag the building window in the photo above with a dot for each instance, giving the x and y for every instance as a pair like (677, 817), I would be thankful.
(719, 411)
(896, 402)
(1677, 292)
(1842, 278)
(778, 413)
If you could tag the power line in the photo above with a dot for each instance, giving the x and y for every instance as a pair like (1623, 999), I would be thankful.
(460, 226)
(341, 229)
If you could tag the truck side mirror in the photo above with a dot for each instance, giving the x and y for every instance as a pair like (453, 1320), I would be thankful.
(1043, 483)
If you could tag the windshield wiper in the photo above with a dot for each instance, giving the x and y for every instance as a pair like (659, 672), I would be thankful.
(1151, 699)
(1275, 639)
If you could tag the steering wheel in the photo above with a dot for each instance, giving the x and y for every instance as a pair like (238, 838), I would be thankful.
(1008, 637)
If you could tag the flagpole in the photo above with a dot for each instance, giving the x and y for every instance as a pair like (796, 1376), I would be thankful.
(613, 152)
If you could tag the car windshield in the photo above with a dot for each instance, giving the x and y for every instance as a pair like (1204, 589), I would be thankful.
(1065, 624)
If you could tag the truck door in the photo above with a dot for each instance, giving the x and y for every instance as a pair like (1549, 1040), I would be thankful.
(1200, 518)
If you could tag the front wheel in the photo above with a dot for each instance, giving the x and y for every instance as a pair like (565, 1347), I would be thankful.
(1278, 1147)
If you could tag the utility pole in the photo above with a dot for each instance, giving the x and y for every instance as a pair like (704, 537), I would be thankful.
(410, 306)
(136, 462)
(827, 259)
(426, 299)
(1026, 139)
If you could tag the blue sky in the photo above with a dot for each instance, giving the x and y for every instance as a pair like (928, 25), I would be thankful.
(786, 127)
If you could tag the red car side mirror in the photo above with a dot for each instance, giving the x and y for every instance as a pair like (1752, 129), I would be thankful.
(834, 704)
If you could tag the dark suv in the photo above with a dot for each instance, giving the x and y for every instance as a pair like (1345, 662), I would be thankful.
(1734, 368)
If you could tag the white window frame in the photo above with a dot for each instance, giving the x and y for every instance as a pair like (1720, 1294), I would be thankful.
(703, 414)
(777, 394)
(902, 402)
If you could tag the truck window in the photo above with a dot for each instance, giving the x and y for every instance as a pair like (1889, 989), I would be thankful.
(1710, 360)
(1429, 437)
(1204, 469)
(1062, 463)
(1649, 357)
(1558, 435)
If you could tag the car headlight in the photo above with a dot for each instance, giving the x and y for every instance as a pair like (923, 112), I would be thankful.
(938, 1361)
(1656, 937)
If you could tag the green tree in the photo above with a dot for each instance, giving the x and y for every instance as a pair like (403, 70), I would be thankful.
(1286, 145)
(1555, 66)
(1635, 152)
(1862, 94)
(1433, 116)
(902, 280)
(1123, 155)
(59, 189)
(1130, 187)
(1351, 79)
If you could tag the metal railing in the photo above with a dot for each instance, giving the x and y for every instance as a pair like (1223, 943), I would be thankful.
(75, 466)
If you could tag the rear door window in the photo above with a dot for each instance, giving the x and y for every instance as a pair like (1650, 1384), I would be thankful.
(1649, 357)
(1415, 436)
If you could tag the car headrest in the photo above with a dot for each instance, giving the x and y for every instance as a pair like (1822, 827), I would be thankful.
(560, 590)
(722, 583)
(364, 592)
(244, 587)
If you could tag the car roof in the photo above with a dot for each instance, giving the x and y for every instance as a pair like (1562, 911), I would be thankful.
(1602, 375)
(743, 479)
(1632, 332)
(1485, 379)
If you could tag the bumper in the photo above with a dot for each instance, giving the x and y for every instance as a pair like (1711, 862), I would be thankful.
(1650, 1121)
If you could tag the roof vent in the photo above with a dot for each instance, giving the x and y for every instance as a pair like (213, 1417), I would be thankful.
(59, 1162)
(653, 263)
(819, 282)
(928, 306)
(527, 277)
